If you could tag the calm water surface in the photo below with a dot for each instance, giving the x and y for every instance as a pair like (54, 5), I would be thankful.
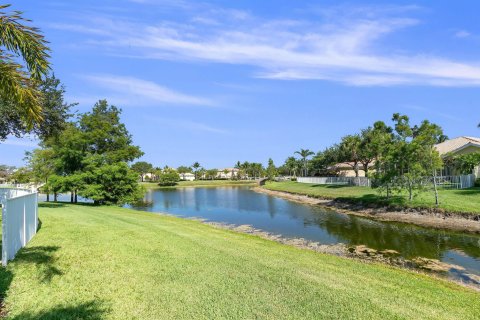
(240, 205)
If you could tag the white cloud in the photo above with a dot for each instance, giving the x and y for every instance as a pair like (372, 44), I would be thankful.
(335, 49)
(186, 124)
(130, 90)
(462, 34)
(433, 112)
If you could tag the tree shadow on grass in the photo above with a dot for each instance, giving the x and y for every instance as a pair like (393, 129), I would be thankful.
(51, 204)
(42, 257)
(331, 186)
(375, 199)
(464, 192)
(92, 310)
(6, 278)
(62, 204)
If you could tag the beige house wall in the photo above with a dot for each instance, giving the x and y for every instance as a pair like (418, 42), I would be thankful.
(350, 173)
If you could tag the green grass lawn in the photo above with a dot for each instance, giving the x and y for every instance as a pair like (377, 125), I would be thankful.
(203, 183)
(465, 200)
(111, 263)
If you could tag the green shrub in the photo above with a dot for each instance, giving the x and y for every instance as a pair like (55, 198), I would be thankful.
(168, 177)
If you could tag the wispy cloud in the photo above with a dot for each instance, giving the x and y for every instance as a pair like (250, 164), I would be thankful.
(132, 90)
(462, 34)
(430, 112)
(343, 47)
(186, 124)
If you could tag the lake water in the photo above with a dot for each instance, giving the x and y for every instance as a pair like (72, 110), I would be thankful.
(240, 205)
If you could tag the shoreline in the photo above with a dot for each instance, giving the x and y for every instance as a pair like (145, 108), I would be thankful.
(429, 267)
(423, 218)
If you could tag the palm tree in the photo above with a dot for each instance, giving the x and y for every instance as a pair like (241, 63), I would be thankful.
(195, 167)
(292, 165)
(18, 83)
(304, 154)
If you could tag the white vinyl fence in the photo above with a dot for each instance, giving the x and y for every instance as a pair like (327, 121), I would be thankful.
(350, 181)
(456, 182)
(19, 220)
(446, 182)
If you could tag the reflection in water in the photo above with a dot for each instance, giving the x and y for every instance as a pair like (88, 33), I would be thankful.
(239, 205)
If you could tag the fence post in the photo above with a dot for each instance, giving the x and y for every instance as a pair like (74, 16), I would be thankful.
(4, 233)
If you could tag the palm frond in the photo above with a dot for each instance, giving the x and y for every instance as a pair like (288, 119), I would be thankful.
(18, 82)
(15, 86)
(25, 41)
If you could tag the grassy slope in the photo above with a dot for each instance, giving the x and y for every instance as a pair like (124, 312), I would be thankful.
(466, 200)
(202, 183)
(105, 262)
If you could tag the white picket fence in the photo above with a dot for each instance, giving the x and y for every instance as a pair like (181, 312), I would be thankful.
(19, 220)
(350, 181)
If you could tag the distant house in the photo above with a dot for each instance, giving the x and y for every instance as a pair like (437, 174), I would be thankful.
(227, 173)
(345, 169)
(149, 177)
(458, 146)
(187, 176)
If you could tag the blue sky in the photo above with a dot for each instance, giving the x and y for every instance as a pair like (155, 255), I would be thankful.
(222, 81)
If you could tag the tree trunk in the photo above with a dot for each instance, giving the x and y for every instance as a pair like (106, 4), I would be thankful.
(435, 188)
(365, 168)
(355, 168)
(76, 197)
(48, 194)
(434, 175)
(71, 196)
(55, 197)
(410, 191)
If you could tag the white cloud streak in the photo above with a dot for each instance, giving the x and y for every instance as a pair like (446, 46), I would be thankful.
(186, 124)
(336, 49)
(132, 90)
(462, 34)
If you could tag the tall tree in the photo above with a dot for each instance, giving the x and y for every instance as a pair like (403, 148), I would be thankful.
(323, 161)
(304, 155)
(106, 136)
(42, 165)
(350, 150)
(184, 169)
(142, 168)
(196, 166)
(212, 173)
(271, 169)
(292, 166)
(91, 156)
(427, 135)
(20, 43)
(374, 140)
